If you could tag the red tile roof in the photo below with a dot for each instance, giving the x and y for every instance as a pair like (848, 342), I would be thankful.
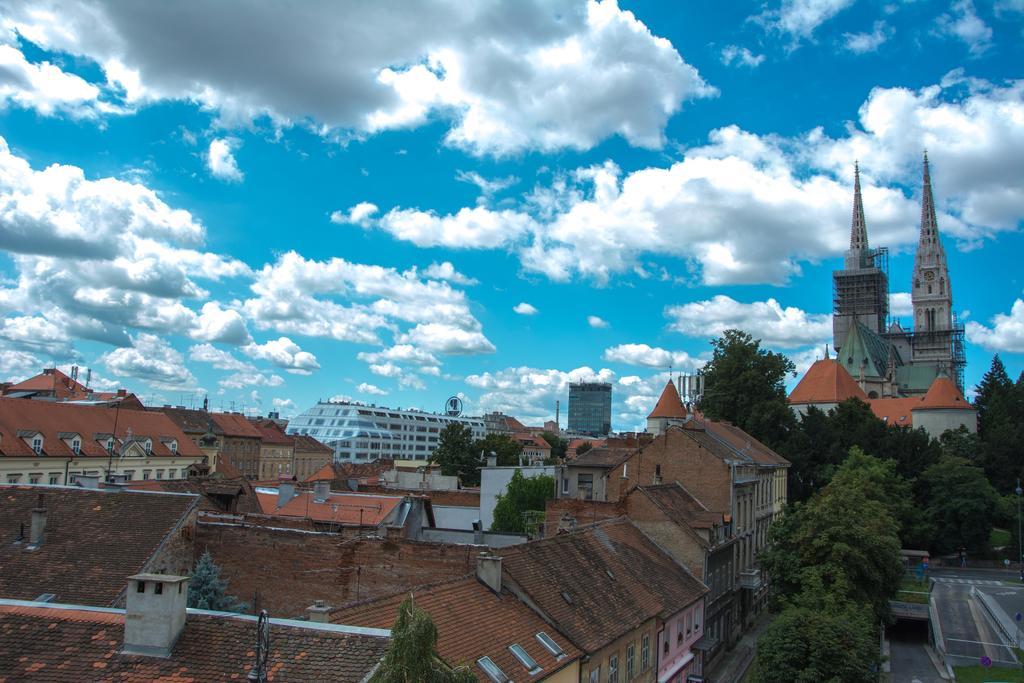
(235, 425)
(93, 541)
(216, 493)
(603, 456)
(472, 622)
(895, 411)
(680, 505)
(744, 443)
(669, 405)
(600, 582)
(826, 381)
(61, 643)
(92, 424)
(307, 444)
(349, 509)
(55, 381)
(943, 395)
(271, 432)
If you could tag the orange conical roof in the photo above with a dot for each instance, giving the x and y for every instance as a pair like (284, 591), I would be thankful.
(669, 405)
(826, 382)
(943, 394)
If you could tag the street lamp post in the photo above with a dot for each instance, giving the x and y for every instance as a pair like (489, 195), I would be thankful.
(1020, 551)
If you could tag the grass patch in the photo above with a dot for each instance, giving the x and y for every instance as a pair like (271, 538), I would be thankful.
(912, 590)
(997, 538)
(979, 674)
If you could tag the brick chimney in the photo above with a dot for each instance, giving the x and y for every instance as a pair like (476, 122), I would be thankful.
(155, 613)
(35, 534)
(488, 570)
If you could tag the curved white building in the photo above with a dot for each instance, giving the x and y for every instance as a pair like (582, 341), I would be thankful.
(362, 433)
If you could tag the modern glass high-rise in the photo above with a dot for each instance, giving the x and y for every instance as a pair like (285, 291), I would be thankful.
(590, 408)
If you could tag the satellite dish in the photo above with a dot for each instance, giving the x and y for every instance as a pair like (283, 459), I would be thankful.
(453, 407)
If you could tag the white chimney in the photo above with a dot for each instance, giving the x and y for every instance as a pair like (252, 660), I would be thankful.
(488, 570)
(35, 534)
(285, 492)
(319, 612)
(154, 614)
(321, 491)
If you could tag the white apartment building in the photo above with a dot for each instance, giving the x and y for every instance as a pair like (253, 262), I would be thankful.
(362, 433)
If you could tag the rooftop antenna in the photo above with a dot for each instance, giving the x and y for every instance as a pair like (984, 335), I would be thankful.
(88, 376)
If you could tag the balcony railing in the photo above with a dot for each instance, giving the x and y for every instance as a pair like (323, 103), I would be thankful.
(750, 579)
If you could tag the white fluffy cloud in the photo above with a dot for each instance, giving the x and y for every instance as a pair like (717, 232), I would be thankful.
(354, 302)
(509, 76)
(652, 357)
(360, 214)
(787, 327)
(371, 389)
(800, 18)
(446, 271)
(530, 393)
(861, 43)
(219, 324)
(741, 56)
(962, 22)
(244, 380)
(44, 87)
(746, 208)
(152, 360)
(1005, 332)
(401, 353)
(220, 159)
(595, 321)
(218, 358)
(900, 304)
(284, 353)
(17, 365)
(523, 308)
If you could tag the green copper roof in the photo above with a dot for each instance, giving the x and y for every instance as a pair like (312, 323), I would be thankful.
(864, 347)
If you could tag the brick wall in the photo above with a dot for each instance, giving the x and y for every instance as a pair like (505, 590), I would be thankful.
(680, 544)
(679, 458)
(582, 511)
(285, 571)
(177, 554)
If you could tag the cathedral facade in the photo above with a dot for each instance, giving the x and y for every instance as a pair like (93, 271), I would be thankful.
(886, 358)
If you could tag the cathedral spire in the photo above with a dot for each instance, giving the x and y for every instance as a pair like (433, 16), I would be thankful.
(929, 224)
(858, 227)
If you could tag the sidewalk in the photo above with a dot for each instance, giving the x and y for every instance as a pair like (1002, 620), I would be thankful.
(734, 664)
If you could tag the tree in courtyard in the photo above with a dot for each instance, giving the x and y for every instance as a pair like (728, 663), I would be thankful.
(557, 443)
(807, 645)
(746, 385)
(456, 455)
(961, 505)
(522, 495)
(505, 448)
(843, 540)
(206, 590)
(411, 656)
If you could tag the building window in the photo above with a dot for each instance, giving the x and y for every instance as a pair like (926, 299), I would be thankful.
(172, 474)
(76, 446)
(630, 661)
(34, 478)
(524, 658)
(37, 444)
(696, 620)
(54, 479)
(492, 670)
(159, 474)
(145, 475)
(585, 486)
(565, 485)
(173, 446)
(595, 675)
(128, 475)
(149, 446)
(13, 478)
(613, 669)
(645, 652)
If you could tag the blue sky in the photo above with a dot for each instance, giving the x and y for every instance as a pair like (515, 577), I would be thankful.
(398, 202)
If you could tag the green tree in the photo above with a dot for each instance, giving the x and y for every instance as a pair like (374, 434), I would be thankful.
(522, 495)
(456, 455)
(412, 657)
(806, 645)
(583, 448)
(843, 540)
(746, 385)
(557, 443)
(993, 396)
(503, 446)
(206, 590)
(961, 505)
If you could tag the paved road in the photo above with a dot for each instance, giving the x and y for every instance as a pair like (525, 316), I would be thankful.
(967, 631)
(908, 660)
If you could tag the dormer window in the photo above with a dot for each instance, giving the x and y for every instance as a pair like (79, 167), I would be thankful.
(110, 445)
(148, 445)
(37, 444)
(76, 446)
(173, 447)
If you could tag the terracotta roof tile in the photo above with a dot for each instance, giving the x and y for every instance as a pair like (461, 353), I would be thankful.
(307, 444)
(669, 405)
(64, 644)
(340, 508)
(603, 456)
(91, 423)
(826, 381)
(53, 380)
(681, 505)
(93, 540)
(235, 425)
(214, 492)
(614, 576)
(472, 622)
(271, 432)
(895, 411)
(943, 395)
(744, 443)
